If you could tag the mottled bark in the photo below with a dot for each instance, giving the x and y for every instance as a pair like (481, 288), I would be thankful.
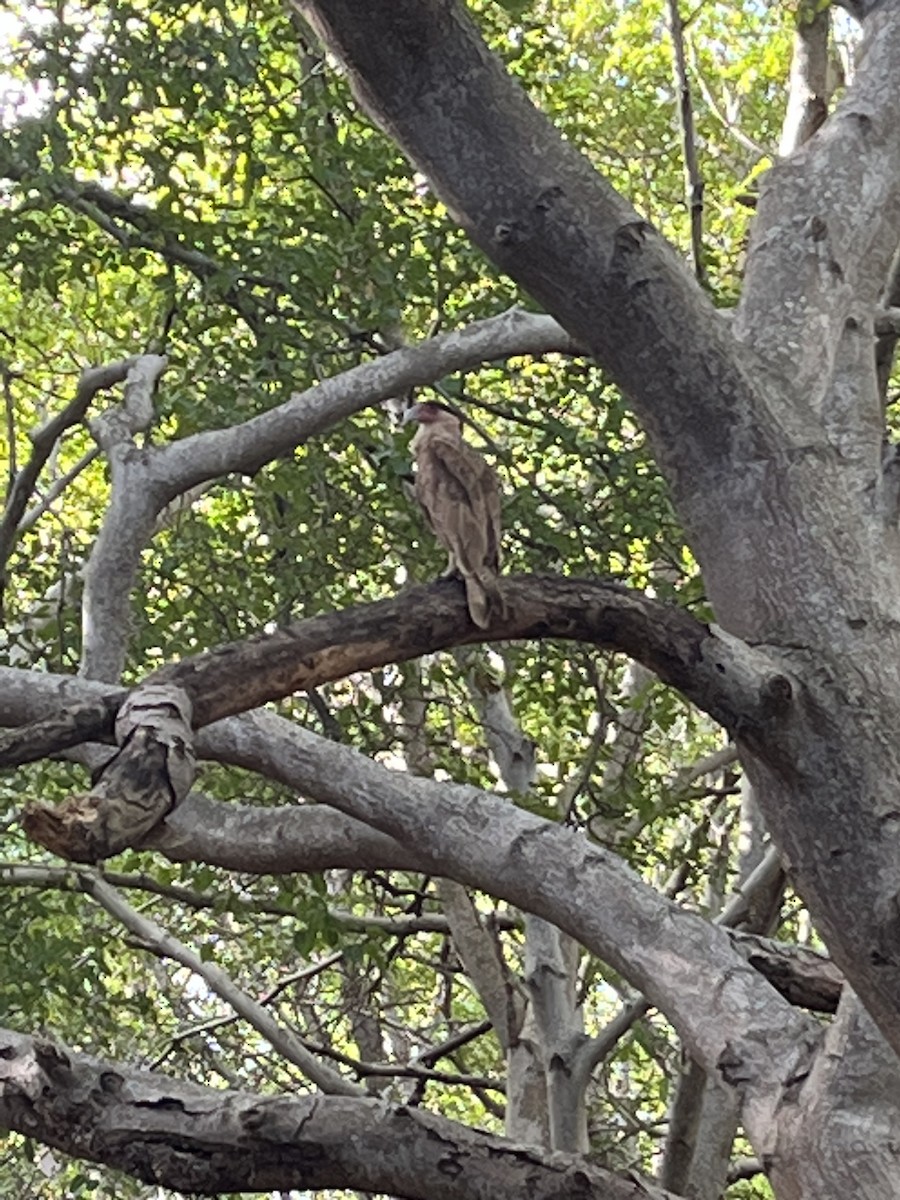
(719, 673)
(204, 1141)
(747, 418)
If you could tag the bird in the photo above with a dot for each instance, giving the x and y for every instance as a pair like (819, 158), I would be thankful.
(460, 495)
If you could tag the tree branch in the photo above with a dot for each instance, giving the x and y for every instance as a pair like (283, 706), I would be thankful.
(127, 523)
(859, 9)
(827, 223)
(93, 380)
(735, 685)
(205, 1141)
(232, 836)
(134, 227)
(482, 841)
(808, 88)
(693, 180)
(887, 330)
(249, 446)
(541, 212)
(155, 938)
(144, 482)
(56, 489)
(66, 879)
(274, 841)
(801, 975)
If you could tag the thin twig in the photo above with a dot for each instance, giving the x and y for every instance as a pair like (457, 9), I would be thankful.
(165, 944)
(756, 148)
(66, 879)
(201, 1027)
(43, 440)
(693, 181)
(10, 423)
(56, 489)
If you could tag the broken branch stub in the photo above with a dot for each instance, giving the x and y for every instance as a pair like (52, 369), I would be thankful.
(151, 773)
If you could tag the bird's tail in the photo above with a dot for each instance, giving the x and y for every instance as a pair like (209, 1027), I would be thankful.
(484, 599)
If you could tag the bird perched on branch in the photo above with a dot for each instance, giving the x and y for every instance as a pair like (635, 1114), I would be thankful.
(460, 496)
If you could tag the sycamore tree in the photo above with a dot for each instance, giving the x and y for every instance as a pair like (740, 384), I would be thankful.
(308, 882)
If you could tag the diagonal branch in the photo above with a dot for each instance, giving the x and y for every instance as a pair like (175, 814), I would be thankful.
(248, 446)
(43, 440)
(143, 483)
(684, 964)
(166, 945)
(735, 685)
(134, 227)
(484, 842)
(541, 212)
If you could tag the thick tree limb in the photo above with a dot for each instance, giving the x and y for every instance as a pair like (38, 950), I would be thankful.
(853, 1092)
(887, 330)
(204, 1141)
(887, 321)
(543, 214)
(827, 222)
(859, 9)
(127, 523)
(481, 840)
(79, 722)
(481, 954)
(801, 975)
(276, 841)
(734, 912)
(737, 686)
(682, 963)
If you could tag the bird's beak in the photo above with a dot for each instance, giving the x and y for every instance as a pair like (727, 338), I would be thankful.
(411, 414)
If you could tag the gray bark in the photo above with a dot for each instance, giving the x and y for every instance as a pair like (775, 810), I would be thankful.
(851, 1095)
(769, 430)
(200, 1140)
(747, 419)
(702, 1124)
(546, 1095)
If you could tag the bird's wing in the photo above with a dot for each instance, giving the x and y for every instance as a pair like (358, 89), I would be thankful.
(460, 494)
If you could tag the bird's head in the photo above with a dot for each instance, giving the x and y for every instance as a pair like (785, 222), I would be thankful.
(429, 413)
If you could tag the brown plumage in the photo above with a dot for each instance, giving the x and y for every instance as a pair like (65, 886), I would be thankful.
(460, 495)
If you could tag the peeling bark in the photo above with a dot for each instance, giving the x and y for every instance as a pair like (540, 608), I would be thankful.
(732, 682)
(204, 1141)
(151, 773)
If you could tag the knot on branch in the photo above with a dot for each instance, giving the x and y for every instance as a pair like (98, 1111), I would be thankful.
(151, 773)
(775, 696)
